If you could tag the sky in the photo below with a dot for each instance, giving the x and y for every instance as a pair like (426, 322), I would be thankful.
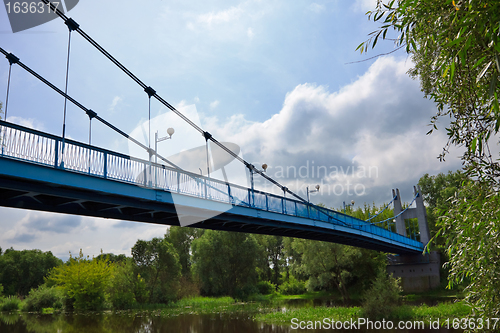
(280, 79)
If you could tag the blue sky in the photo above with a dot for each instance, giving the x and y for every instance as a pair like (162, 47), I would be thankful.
(270, 76)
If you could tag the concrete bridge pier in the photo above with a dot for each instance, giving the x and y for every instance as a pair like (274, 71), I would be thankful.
(419, 272)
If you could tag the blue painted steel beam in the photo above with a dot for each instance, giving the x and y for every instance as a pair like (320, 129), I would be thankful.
(32, 186)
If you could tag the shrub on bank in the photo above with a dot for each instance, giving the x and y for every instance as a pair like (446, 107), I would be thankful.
(382, 299)
(266, 287)
(10, 303)
(44, 297)
(293, 287)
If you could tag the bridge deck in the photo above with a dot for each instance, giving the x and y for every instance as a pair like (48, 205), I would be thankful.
(36, 172)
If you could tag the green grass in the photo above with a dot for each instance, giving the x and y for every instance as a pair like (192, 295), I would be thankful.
(209, 305)
(442, 311)
(309, 313)
(204, 302)
(425, 313)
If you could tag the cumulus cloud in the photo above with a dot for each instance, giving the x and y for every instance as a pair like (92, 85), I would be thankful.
(213, 18)
(233, 22)
(316, 8)
(250, 33)
(364, 5)
(27, 122)
(114, 103)
(368, 135)
(214, 104)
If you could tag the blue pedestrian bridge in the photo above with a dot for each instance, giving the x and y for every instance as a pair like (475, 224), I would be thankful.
(40, 171)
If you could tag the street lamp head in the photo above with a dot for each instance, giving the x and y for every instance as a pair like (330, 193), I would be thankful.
(170, 131)
(317, 187)
(264, 167)
(352, 202)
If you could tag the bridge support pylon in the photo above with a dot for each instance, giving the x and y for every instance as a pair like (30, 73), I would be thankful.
(418, 272)
(419, 213)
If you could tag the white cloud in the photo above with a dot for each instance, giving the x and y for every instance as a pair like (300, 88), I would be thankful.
(364, 5)
(223, 16)
(114, 103)
(232, 22)
(250, 33)
(377, 123)
(214, 104)
(316, 8)
(27, 122)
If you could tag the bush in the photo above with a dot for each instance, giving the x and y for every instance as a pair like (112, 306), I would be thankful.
(244, 293)
(44, 297)
(266, 287)
(84, 280)
(293, 287)
(382, 299)
(188, 288)
(10, 304)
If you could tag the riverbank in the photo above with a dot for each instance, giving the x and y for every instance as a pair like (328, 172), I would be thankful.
(281, 309)
(425, 313)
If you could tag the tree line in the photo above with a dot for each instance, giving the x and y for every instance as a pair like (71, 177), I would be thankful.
(189, 262)
(463, 220)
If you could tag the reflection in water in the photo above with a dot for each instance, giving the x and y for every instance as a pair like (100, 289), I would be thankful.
(127, 322)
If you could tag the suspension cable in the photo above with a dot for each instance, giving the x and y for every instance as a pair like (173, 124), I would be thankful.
(89, 112)
(374, 216)
(70, 28)
(161, 100)
(92, 114)
(391, 218)
(12, 60)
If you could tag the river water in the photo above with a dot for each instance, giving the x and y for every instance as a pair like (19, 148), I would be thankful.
(127, 322)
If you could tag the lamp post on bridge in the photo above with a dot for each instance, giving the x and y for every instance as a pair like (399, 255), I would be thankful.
(253, 170)
(170, 132)
(311, 191)
(348, 205)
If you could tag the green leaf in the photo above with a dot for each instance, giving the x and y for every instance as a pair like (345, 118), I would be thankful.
(446, 71)
(483, 71)
(473, 145)
(493, 85)
(478, 63)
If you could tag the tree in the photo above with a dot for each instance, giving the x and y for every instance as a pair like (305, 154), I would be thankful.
(472, 230)
(225, 262)
(274, 257)
(333, 266)
(437, 191)
(455, 46)
(181, 239)
(158, 263)
(21, 271)
(382, 298)
(85, 280)
(112, 258)
(126, 287)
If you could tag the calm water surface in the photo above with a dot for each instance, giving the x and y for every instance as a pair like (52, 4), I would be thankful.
(133, 323)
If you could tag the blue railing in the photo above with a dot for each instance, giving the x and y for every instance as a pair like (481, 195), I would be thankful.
(37, 147)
